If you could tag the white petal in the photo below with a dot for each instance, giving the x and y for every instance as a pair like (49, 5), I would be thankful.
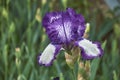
(89, 49)
(49, 54)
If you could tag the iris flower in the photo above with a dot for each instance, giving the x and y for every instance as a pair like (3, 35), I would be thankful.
(65, 30)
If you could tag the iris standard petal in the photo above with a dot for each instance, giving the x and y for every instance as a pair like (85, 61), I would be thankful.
(49, 54)
(50, 17)
(78, 23)
(64, 27)
(58, 27)
(89, 50)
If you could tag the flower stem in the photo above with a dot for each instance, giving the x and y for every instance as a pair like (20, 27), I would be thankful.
(74, 74)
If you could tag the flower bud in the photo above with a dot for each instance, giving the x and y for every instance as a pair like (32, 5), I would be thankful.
(84, 70)
(17, 52)
(71, 59)
(87, 27)
(86, 35)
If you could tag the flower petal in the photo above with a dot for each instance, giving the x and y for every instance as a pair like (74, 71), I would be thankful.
(78, 23)
(58, 27)
(89, 50)
(49, 54)
(64, 27)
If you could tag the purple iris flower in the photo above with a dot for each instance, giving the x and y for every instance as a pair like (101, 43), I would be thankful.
(66, 30)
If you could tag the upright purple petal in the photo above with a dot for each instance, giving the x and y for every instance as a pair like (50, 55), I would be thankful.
(71, 12)
(89, 50)
(58, 27)
(78, 23)
(64, 27)
(51, 17)
(49, 54)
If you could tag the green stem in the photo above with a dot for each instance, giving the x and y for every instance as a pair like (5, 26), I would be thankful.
(74, 74)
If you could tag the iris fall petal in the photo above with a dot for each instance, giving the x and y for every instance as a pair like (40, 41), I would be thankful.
(89, 50)
(49, 54)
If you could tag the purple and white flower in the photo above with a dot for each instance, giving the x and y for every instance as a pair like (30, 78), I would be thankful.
(66, 30)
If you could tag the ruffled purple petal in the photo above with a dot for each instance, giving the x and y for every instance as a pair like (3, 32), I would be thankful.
(58, 26)
(50, 18)
(89, 50)
(78, 24)
(64, 27)
(49, 54)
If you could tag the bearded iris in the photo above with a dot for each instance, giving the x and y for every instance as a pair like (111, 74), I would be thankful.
(66, 30)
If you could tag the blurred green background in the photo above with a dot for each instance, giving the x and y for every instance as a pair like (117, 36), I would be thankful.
(22, 38)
